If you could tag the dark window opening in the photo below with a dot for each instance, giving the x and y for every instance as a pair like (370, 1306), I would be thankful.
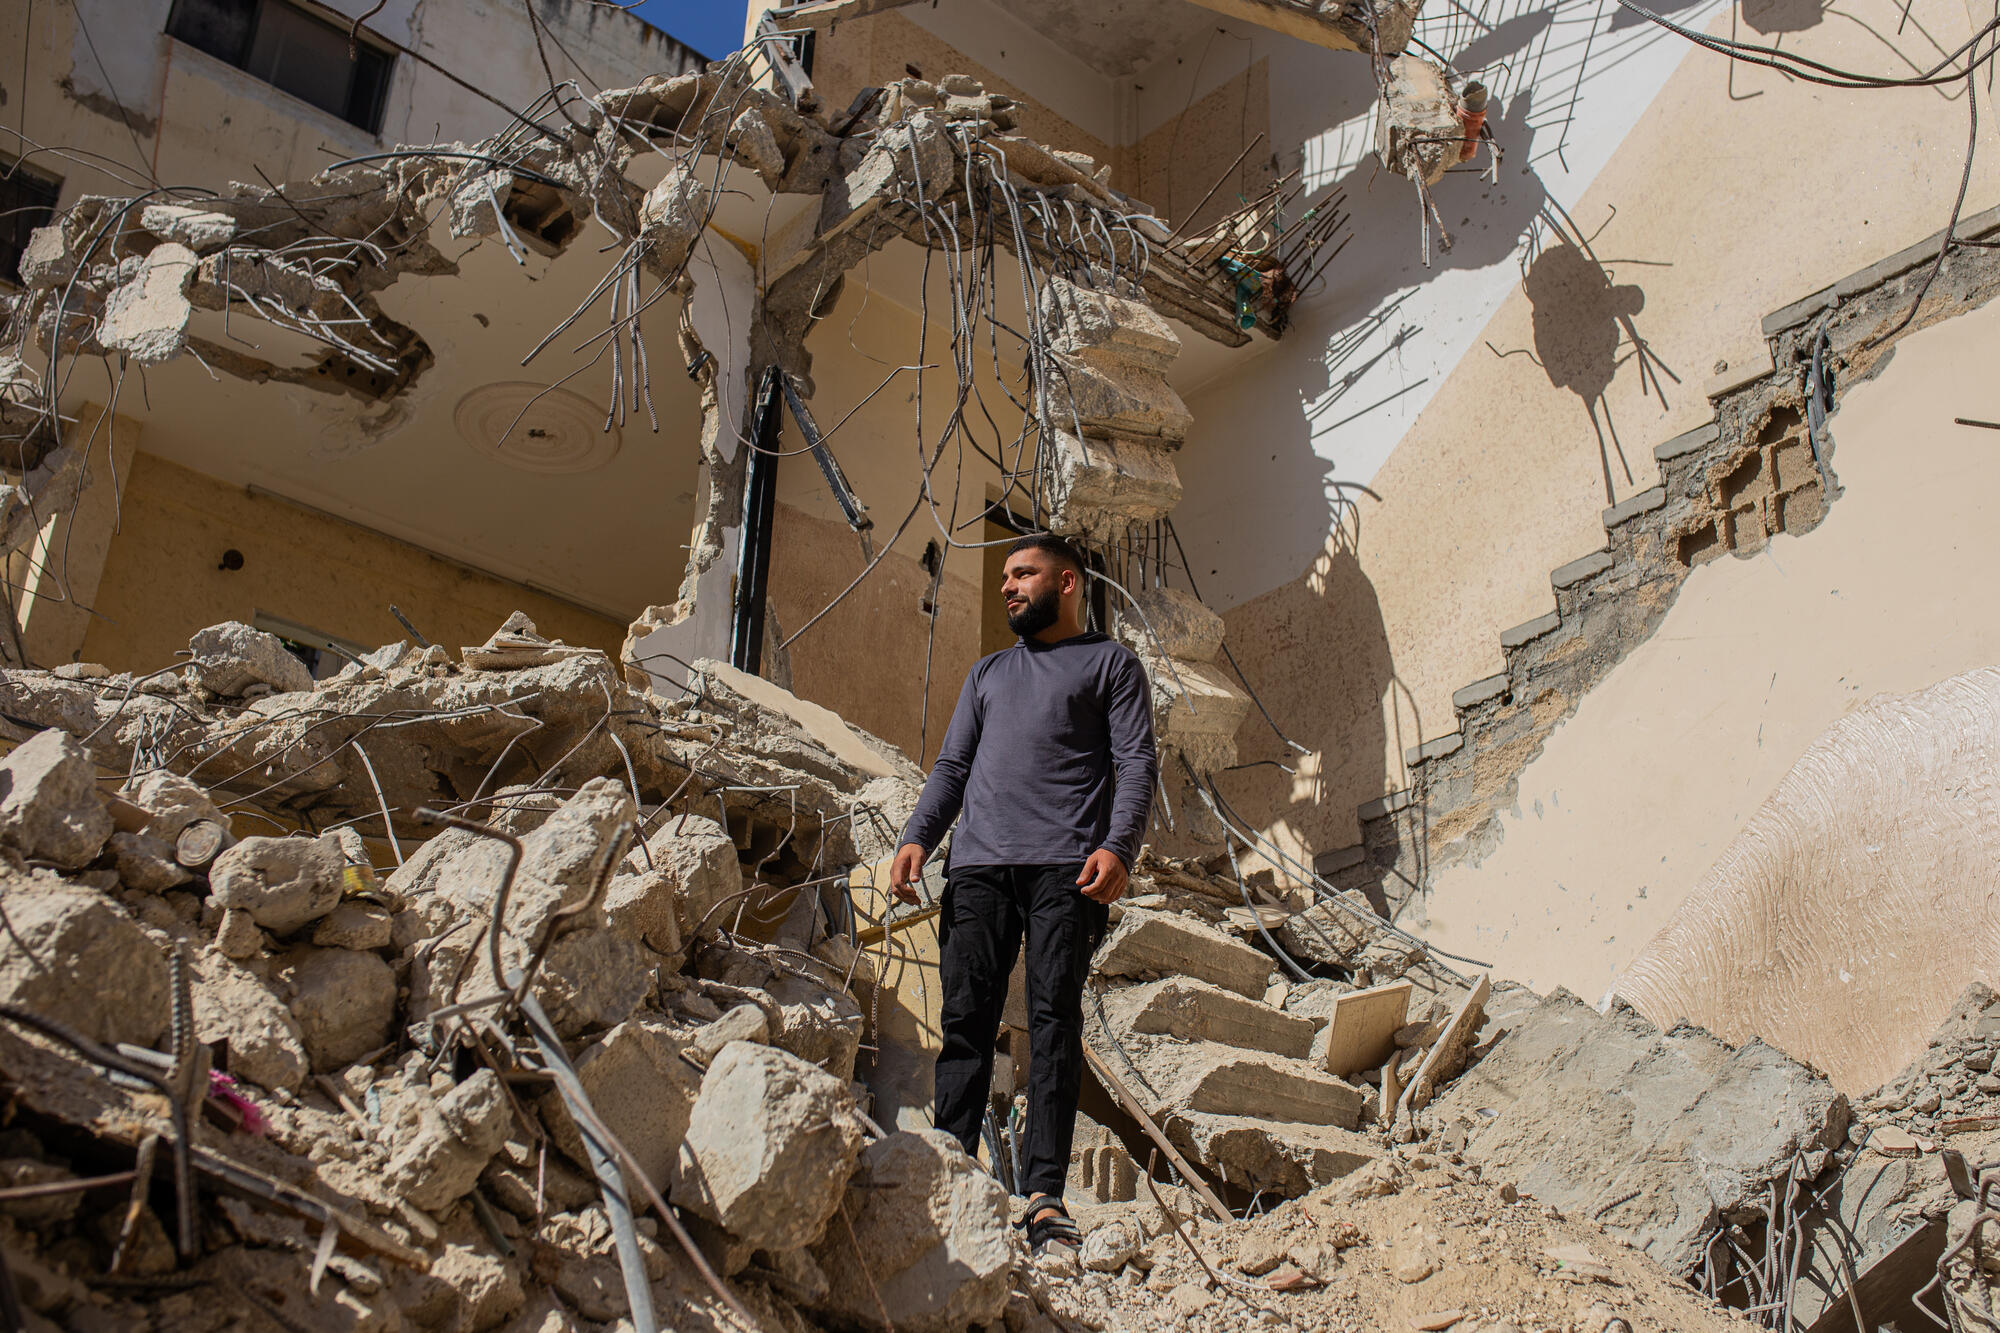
(27, 201)
(292, 50)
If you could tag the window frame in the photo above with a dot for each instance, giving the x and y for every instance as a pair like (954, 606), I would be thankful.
(369, 46)
(14, 169)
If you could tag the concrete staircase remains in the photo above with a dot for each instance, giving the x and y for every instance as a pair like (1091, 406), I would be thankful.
(1726, 488)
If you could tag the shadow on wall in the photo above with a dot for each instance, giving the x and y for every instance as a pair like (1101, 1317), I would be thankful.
(1582, 318)
(1324, 669)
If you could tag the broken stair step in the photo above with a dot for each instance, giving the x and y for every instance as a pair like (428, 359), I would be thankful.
(1147, 944)
(1208, 1078)
(1194, 1010)
(1276, 1157)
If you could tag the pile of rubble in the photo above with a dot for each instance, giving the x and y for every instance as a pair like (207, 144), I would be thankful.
(495, 992)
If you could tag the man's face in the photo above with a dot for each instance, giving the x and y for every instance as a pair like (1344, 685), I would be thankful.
(1034, 586)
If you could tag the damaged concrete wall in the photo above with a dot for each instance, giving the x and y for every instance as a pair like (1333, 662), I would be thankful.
(1684, 741)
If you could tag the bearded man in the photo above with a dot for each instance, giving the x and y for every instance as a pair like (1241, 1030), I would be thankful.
(1049, 767)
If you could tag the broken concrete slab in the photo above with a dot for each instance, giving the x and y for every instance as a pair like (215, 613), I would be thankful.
(232, 657)
(50, 809)
(173, 803)
(1194, 1010)
(1352, 936)
(1147, 944)
(1656, 1135)
(1417, 131)
(1448, 1051)
(1169, 621)
(1362, 1028)
(1099, 485)
(283, 884)
(146, 317)
(1284, 1158)
(146, 863)
(924, 1239)
(1206, 1077)
(769, 1147)
(73, 954)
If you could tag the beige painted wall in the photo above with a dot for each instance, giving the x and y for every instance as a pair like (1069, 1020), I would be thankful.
(866, 659)
(1714, 211)
(1641, 790)
(161, 582)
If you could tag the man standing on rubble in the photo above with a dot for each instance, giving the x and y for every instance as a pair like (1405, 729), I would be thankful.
(1050, 758)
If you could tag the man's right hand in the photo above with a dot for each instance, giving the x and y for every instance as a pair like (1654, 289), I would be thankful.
(906, 870)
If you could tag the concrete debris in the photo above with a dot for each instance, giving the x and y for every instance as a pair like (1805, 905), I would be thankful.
(769, 1147)
(1417, 130)
(920, 1239)
(1657, 1135)
(231, 659)
(147, 317)
(50, 809)
(74, 953)
(1147, 944)
(367, 1060)
(283, 884)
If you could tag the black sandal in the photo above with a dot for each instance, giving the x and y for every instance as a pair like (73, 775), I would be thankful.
(1059, 1229)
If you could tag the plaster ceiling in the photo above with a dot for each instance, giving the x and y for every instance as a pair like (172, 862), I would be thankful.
(599, 518)
(1118, 38)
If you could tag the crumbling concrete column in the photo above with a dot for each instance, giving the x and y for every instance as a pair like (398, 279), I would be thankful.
(1114, 419)
(1196, 707)
(721, 309)
(65, 563)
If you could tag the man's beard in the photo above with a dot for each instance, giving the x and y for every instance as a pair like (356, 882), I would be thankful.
(1040, 613)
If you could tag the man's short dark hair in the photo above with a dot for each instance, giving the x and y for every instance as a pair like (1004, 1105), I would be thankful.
(1059, 548)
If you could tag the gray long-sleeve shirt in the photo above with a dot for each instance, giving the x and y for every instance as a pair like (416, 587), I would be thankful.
(1049, 755)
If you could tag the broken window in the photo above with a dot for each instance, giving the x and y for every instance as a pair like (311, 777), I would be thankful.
(322, 653)
(291, 50)
(27, 201)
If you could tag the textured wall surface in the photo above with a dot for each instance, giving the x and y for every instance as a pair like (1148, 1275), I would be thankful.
(1859, 899)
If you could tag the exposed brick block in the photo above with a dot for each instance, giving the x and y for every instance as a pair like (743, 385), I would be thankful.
(1747, 531)
(1391, 804)
(1803, 507)
(1700, 546)
(1792, 460)
(1744, 484)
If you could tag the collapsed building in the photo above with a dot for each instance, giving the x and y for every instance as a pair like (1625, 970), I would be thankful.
(351, 981)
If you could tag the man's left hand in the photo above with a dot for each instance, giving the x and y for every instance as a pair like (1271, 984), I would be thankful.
(1103, 878)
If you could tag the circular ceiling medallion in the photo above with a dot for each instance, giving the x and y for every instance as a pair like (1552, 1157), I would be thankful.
(537, 428)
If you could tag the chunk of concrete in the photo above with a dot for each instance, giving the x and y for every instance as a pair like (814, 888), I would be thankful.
(1205, 1077)
(231, 657)
(72, 955)
(769, 1147)
(283, 883)
(354, 925)
(743, 1023)
(1350, 936)
(671, 216)
(147, 317)
(1180, 626)
(232, 1004)
(50, 809)
(455, 1139)
(1417, 131)
(173, 802)
(641, 1088)
(198, 229)
(666, 892)
(1147, 944)
(1584, 1110)
(343, 1001)
(1194, 1010)
(1098, 484)
(146, 863)
(1282, 1158)
(926, 1232)
(1362, 1027)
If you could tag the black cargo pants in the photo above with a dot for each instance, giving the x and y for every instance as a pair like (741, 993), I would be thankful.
(986, 910)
